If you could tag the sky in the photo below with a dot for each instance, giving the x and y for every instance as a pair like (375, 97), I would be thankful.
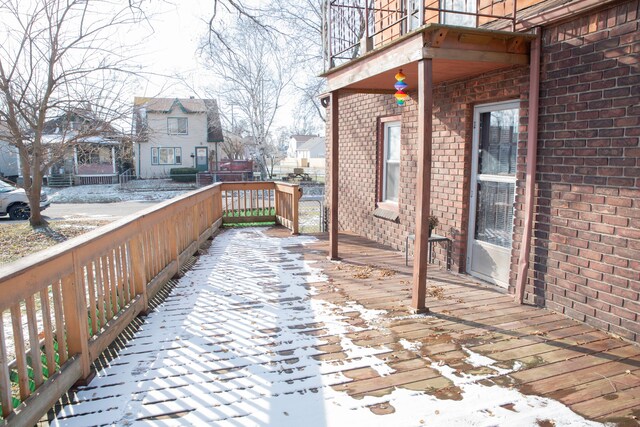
(178, 29)
(172, 48)
(165, 48)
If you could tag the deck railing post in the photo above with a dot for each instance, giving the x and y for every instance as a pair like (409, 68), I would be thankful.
(174, 242)
(139, 271)
(278, 205)
(423, 185)
(295, 198)
(75, 315)
(195, 224)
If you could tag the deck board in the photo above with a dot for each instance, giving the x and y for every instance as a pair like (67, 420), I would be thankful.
(217, 374)
(471, 315)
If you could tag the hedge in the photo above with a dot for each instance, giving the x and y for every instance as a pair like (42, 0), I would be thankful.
(183, 174)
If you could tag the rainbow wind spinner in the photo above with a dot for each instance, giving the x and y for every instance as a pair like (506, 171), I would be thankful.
(400, 85)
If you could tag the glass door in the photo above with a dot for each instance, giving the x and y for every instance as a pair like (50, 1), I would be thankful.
(493, 183)
(202, 159)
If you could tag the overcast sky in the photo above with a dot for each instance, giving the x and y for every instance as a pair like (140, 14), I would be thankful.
(178, 28)
(171, 48)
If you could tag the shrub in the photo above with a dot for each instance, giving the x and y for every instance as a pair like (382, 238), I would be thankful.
(183, 174)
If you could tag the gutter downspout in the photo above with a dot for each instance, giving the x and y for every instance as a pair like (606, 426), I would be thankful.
(138, 170)
(532, 150)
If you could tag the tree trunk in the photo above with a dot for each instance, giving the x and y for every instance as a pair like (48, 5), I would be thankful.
(263, 169)
(34, 193)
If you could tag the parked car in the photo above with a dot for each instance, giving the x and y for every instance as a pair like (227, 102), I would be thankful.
(14, 202)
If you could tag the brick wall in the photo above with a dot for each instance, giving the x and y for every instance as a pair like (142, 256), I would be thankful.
(451, 167)
(585, 260)
(586, 255)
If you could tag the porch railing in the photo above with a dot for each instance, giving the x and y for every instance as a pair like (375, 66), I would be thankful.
(255, 202)
(357, 26)
(62, 307)
(126, 176)
(96, 179)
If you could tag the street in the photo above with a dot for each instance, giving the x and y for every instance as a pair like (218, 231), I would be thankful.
(94, 210)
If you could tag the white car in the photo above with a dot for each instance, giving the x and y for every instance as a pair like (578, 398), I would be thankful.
(14, 202)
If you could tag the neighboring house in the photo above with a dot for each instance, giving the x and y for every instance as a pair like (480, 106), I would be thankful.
(521, 136)
(89, 150)
(295, 142)
(312, 149)
(311, 153)
(305, 151)
(234, 146)
(92, 151)
(173, 133)
(9, 164)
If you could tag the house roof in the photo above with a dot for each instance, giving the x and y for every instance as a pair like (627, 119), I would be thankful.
(59, 124)
(187, 106)
(96, 139)
(302, 138)
(312, 143)
(165, 105)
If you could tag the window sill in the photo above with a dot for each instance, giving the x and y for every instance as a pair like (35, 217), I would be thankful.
(388, 211)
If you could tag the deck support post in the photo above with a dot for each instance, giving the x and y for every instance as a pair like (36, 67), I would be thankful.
(423, 185)
(532, 152)
(333, 217)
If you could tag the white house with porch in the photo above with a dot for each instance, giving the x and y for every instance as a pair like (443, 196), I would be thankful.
(175, 133)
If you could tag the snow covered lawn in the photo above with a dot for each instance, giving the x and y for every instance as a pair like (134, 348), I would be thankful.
(241, 340)
(143, 190)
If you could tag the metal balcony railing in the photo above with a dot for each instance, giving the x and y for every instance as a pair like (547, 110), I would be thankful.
(355, 27)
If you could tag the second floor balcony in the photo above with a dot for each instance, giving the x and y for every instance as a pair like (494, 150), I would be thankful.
(356, 27)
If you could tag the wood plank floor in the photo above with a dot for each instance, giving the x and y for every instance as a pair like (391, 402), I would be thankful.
(595, 374)
(264, 330)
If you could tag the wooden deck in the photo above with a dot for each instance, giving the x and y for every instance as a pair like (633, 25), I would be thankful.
(594, 373)
(249, 336)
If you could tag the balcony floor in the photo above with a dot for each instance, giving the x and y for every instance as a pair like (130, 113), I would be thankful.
(263, 330)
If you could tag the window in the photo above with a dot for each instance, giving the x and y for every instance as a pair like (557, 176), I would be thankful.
(177, 125)
(413, 14)
(459, 19)
(391, 162)
(166, 156)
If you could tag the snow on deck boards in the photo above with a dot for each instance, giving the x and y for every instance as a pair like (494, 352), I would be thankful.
(255, 334)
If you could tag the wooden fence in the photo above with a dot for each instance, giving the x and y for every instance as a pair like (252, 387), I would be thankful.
(62, 307)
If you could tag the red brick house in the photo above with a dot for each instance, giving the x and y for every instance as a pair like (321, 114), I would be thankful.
(521, 134)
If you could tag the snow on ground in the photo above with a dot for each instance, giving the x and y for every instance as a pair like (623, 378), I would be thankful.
(142, 190)
(239, 343)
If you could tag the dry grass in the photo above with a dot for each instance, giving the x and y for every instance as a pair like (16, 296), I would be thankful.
(18, 240)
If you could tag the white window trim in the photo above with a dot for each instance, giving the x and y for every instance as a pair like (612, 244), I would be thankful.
(177, 153)
(186, 132)
(385, 153)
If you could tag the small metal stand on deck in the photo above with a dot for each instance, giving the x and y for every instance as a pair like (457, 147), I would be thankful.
(434, 238)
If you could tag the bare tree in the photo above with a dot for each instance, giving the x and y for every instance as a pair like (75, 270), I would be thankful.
(254, 80)
(60, 59)
(304, 24)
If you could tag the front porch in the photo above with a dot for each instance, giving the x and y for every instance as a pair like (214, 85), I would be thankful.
(264, 330)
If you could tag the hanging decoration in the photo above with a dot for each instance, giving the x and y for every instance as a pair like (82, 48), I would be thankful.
(401, 95)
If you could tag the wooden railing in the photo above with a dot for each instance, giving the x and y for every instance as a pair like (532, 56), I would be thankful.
(287, 197)
(261, 202)
(60, 308)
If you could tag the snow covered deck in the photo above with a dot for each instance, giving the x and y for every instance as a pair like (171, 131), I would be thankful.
(264, 330)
